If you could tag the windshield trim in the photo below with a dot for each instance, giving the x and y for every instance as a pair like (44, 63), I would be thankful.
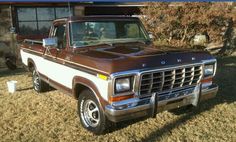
(142, 28)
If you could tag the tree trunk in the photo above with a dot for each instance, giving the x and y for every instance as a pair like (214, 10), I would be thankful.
(229, 40)
(185, 34)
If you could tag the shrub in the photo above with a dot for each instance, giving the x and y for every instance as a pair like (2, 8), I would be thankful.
(177, 23)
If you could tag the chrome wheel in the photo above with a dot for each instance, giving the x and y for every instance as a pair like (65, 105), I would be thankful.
(36, 81)
(90, 114)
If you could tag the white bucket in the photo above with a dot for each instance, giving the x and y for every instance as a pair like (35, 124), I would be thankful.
(11, 86)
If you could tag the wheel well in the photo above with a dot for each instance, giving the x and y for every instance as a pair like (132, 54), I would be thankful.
(30, 66)
(79, 88)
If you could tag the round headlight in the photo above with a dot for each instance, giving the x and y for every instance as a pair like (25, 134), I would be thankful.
(122, 85)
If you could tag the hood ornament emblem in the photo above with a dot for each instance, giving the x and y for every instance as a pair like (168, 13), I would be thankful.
(163, 62)
(144, 65)
(179, 60)
(193, 58)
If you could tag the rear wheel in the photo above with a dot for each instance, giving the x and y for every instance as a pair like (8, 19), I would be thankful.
(38, 84)
(90, 113)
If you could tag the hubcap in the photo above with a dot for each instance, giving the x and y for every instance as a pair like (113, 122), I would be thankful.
(36, 81)
(90, 114)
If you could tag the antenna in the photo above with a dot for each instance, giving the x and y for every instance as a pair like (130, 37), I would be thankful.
(70, 14)
(69, 9)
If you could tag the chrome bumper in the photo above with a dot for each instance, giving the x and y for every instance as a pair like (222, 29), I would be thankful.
(209, 92)
(135, 107)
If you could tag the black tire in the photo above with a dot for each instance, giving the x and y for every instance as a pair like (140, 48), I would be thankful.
(38, 84)
(95, 121)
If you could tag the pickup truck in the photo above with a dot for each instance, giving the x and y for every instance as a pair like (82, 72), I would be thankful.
(109, 64)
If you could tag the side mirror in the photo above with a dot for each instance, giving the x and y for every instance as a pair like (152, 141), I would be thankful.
(50, 42)
(151, 36)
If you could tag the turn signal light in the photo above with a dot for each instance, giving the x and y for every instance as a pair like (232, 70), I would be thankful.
(120, 98)
(207, 80)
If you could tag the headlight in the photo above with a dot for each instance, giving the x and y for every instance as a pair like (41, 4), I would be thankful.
(208, 70)
(122, 85)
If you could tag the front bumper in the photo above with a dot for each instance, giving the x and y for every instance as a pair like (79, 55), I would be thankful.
(209, 92)
(135, 107)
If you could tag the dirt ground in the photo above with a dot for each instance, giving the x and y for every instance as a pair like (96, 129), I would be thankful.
(28, 116)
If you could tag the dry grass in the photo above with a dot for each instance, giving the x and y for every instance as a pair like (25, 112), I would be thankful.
(28, 116)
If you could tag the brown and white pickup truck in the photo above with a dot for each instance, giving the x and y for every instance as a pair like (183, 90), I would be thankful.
(109, 65)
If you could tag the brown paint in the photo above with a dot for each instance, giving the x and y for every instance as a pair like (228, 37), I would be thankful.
(91, 86)
(118, 60)
(21, 38)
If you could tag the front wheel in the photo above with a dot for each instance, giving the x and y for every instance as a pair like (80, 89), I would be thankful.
(90, 113)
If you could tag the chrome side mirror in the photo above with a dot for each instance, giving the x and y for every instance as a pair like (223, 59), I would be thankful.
(50, 42)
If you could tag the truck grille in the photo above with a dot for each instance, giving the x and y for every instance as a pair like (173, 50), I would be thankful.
(165, 80)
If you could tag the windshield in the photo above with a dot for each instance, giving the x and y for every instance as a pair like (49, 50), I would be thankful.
(106, 32)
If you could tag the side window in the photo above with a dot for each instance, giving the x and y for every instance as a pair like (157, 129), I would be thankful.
(59, 32)
(132, 30)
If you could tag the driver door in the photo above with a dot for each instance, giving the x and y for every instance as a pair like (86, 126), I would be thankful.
(55, 56)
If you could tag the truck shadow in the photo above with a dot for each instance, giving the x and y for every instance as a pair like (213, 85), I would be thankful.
(225, 78)
(24, 89)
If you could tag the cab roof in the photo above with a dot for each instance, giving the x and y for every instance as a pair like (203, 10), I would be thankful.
(97, 17)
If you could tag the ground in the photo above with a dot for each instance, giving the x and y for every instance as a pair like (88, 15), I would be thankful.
(28, 116)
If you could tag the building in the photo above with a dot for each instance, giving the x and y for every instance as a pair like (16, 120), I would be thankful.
(32, 20)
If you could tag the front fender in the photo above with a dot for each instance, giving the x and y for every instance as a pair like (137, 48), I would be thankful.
(78, 80)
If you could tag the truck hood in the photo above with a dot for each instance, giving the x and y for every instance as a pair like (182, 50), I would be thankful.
(133, 56)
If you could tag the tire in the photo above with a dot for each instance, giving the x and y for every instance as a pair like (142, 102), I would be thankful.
(38, 84)
(90, 113)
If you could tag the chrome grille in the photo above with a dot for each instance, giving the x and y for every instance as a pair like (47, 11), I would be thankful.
(165, 80)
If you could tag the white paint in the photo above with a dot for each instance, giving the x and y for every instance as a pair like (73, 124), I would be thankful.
(63, 74)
